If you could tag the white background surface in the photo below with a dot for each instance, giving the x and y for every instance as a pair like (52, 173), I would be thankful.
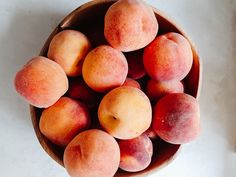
(26, 24)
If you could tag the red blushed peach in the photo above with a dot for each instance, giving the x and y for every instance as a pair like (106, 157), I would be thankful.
(135, 63)
(130, 25)
(125, 112)
(79, 90)
(176, 118)
(61, 122)
(104, 68)
(41, 82)
(131, 83)
(92, 153)
(135, 154)
(168, 57)
(69, 48)
(156, 89)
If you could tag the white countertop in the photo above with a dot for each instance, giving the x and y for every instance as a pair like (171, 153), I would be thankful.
(211, 24)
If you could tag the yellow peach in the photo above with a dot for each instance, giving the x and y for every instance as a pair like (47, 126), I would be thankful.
(69, 48)
(125, 112)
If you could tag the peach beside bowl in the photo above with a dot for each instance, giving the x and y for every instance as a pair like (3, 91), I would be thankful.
(88, 19)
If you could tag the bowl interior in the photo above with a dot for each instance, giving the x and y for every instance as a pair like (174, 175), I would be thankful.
(89, 19)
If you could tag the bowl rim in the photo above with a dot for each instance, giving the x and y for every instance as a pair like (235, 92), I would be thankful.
(60, 26)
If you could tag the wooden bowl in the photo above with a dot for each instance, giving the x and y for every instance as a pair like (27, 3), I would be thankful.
(89, 19)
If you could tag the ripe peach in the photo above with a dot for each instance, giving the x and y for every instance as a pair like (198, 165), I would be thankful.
(130, 25)
(61, 122)
(104, 68)
(41, 82)
(131, 83)
(135, 63)
(168, 57)
(156, 89)
(125, 112)
(69, 48)
(92, 153)
(79, 90)
(176, 118)
(135, 154)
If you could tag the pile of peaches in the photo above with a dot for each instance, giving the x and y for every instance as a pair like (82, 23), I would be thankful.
(105, 105)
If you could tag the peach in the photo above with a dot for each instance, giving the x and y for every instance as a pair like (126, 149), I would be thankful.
(132, 83)
(61, 122)
(135, 154)
(104, 68)
(79, 90)
(135, 63)
(130, 25)
(92, 153)
(41, 82)
(156, 89)
(151, 133)
(69, 48)
(125, 112)
(176, 118)
(168, 57)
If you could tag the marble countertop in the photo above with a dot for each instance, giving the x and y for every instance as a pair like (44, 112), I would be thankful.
(211, 24)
